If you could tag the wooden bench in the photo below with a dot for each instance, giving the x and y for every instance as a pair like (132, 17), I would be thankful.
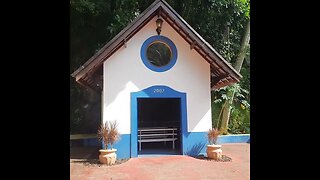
(158, 134)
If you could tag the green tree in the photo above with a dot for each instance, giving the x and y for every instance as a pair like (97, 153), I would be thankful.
(94, 22)
(226, 109)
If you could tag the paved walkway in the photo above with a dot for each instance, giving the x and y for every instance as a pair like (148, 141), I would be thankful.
(171, 167)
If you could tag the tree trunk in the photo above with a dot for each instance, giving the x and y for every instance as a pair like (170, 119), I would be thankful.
(237, 65)
(243, 49)
(226, 113)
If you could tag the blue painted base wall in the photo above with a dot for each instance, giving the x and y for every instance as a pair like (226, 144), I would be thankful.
(194, 143)
(123, 147)
(91, 142)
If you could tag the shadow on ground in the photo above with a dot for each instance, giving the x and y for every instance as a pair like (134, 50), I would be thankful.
(224, 158)
(89, 156)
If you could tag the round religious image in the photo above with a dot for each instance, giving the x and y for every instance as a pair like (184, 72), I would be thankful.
(159, 53)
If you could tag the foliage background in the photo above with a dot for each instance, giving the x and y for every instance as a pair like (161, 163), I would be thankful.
(94, 22)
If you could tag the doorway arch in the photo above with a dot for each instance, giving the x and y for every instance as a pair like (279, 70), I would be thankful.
(158, 91)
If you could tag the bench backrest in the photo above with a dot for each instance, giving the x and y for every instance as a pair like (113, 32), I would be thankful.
(157, 133)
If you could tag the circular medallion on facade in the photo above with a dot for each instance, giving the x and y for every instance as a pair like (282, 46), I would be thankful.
(158, 53)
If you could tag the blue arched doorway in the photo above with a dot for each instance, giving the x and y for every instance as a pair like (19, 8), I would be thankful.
(158, 91)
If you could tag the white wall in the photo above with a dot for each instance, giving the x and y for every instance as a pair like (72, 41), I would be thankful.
(124, 72)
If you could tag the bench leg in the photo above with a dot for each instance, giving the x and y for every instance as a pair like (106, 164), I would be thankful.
(173, 144)
(139, 146)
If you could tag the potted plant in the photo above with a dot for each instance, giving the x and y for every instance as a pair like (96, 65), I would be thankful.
(213, 149)
(108, 134)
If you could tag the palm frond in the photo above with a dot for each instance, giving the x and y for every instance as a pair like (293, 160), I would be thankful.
(108, 133)
(213, 135)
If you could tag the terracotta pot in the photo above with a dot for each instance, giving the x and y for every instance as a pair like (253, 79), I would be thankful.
(214, 151)
(108, 156)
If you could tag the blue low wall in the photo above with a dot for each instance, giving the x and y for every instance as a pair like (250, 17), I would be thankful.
(234, 138)
(88, 142)
(91, 142)
(195, 143)
(122, 146)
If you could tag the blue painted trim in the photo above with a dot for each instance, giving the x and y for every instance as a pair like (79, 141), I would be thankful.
(143, 53)
(123, 146)
(134, 125)
(236, 138)
(87, 142)
(158, 91)
(195, 143)
(91, 142)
